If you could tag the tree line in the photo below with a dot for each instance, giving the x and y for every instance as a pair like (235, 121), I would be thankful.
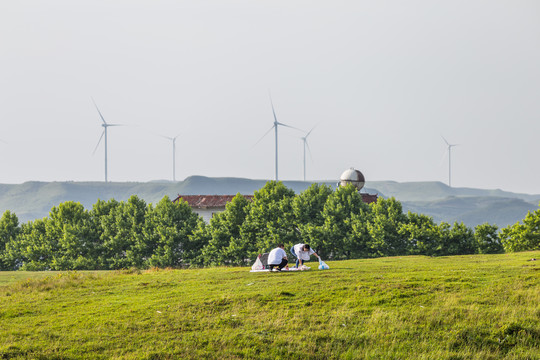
(337, 223)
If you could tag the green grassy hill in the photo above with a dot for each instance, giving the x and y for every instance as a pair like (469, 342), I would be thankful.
(463, 307)
(33, 200)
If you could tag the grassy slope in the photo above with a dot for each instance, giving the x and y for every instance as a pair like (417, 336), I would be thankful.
(465, 307)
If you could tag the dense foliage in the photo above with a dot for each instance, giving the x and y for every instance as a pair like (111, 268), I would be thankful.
(337, 223)
(112, 235)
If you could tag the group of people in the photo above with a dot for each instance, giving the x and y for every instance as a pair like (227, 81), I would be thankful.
(277, 258)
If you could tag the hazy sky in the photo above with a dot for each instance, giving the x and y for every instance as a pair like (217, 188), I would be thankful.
(381, 80)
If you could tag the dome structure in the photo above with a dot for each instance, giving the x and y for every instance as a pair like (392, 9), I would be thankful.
(352, 176)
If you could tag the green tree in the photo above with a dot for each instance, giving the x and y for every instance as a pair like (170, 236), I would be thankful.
(365, 246)
(270, 220)
(308, 211)
(336, 238)
(9, 231)
(131, 223)
(384, 228)
(523, 236)
(62, 241)
(455, 240)
(223, 234)
(119, 229)
(33, 250)
(69, 227)
(168, 235)
(487, 239)
(421, 233)
(308, 206)
(103, 219)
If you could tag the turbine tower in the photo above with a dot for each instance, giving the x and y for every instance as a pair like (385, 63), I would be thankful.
(450, 146)
(104, 133)
(275, 128)
(173, 139)
(304, 140)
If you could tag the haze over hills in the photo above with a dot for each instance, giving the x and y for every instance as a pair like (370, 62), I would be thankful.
(434, 190)
(32, 200)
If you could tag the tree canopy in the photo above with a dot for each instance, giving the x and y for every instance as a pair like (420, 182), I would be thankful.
(336, 223)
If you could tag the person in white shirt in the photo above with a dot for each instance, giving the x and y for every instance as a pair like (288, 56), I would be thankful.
(278, 257)
(302, 253)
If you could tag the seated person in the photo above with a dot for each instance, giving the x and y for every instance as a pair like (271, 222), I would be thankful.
(277, 257)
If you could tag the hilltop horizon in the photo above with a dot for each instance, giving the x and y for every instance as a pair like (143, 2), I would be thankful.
(34, 199)
(332, 182)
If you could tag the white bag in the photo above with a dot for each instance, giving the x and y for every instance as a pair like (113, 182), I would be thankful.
(258, 265)
(322, 265)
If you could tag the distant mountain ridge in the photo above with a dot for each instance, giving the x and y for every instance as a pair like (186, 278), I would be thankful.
(34, 199)
(434, 190)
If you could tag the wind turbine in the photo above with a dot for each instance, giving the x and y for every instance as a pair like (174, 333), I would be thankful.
(173, 139)
(275, 127)
(104, 133)
(450, 146)
(305, 143)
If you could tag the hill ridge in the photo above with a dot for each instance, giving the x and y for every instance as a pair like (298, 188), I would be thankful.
(34, 199)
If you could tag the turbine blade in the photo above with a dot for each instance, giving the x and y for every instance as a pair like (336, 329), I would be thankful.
(447, 143)
(443, 157)
(275, 117)
(116, 125)
(273, 111)
(99, 111)
(262, 137)
(309, 132)
(289, 126)
(165, 137)
(99, 141)
(309, 150)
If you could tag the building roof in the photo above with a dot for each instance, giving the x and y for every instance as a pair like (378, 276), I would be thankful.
(208, 201)
(369, 198)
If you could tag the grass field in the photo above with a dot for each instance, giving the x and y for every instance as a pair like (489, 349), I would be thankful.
(462, 307)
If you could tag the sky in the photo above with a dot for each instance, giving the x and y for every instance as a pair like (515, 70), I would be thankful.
(379, 82)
